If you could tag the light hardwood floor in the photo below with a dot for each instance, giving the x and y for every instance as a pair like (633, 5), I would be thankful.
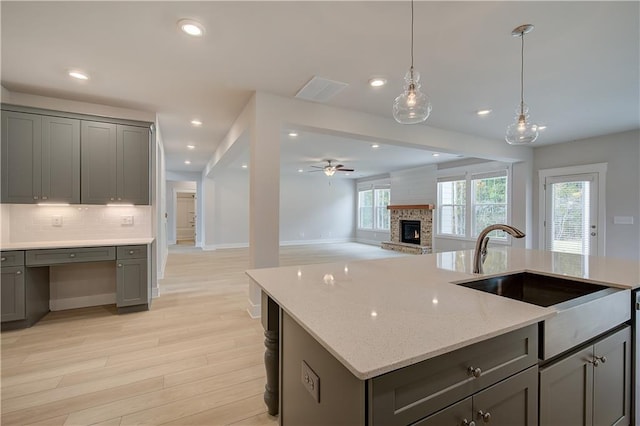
(196, 358)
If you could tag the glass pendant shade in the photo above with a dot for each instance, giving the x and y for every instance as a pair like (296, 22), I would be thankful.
(522, 131)
(412, 106)
(329, 171)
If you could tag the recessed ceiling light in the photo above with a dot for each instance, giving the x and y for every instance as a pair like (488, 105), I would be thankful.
(191, 27)
(377, 81)
(187, 162)
(300, 170)
(542, 127)
(79, 75)
(293, 134)
(347, 174)
(484, 111)
(191, 146)
(435, 154)
(196, 123)
(375, 146)
(244, 166)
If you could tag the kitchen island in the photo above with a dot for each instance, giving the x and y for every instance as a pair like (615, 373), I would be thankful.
(371, 322)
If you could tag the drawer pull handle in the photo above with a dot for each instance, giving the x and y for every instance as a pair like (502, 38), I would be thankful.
(130, 251)
(18, 272)
(485, 417)
(119, 265)
(45, 197)
(119, 199)
(466, 422)
(35, 197)
(602, 359)
(72, 255)
(474, 372)
(4, 258)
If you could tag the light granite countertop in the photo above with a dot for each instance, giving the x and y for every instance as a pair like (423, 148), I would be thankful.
(376, 316)
(34, 245)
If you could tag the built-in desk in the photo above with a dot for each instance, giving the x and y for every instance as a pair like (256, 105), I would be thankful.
(25, 279)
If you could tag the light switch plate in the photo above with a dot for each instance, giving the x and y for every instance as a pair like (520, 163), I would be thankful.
(56, 220)
(126, 220)
(311, 381)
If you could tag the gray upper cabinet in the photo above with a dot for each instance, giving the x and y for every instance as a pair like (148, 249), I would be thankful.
(40, 158)
(115, 163)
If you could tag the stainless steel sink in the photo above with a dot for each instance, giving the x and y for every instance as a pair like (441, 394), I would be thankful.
(584, 310)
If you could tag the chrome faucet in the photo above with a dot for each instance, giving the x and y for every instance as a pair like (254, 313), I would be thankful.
(483, 239)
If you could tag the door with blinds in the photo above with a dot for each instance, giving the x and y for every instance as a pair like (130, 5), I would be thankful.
(571, 213)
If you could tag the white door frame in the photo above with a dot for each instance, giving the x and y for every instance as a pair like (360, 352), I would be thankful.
(601, 170)
(174, 221)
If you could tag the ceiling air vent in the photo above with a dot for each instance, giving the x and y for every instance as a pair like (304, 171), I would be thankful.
(320, 89)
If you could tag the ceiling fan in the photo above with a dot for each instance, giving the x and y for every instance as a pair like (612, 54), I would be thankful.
(329, 169)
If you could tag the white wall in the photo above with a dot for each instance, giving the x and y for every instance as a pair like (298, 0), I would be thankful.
(316, 208)
(621, 152)
(160, 202)
(230, 210)
(414, 186)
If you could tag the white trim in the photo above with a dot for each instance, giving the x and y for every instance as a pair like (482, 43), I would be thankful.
(155, 292)
(254, 310)
(82, 301)
(598, 168)
(368, 242)
(309, 242)
(225, 246)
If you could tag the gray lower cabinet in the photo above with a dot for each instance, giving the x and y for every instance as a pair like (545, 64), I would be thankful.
(131, 277)
(511, 402)
(40, 158)
(115, 163)
(590, 386)
(13, 293)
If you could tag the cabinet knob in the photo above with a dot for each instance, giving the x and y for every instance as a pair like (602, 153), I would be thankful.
(602, 359)
(474, 372)
(111, 198)
(35, 197)
(130, 251)
(72, 255)
(466, 422)
(119, 265)
(485, 417)
(18, 272)
(45, 197)
(119, 199)
(3, 258)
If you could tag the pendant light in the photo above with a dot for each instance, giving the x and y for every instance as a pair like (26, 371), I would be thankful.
(412, 106)
(522, 132)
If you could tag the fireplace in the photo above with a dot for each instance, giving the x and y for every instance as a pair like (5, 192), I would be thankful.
(410, 231)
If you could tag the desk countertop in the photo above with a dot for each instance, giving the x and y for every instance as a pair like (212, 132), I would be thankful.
(34, 245)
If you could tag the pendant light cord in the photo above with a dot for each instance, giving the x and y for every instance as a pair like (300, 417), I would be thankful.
(412, 39)
(522, 75)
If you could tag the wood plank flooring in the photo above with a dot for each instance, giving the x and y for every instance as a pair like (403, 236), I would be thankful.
(196, 358)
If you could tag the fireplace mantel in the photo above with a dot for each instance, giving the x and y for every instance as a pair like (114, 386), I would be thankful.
(412, 207)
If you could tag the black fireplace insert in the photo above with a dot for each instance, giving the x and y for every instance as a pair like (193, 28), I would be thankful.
(410, 231)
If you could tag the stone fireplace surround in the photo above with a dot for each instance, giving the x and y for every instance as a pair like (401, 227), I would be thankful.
(421, 212)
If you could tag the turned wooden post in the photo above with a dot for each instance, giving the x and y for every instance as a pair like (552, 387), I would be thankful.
(271, 324)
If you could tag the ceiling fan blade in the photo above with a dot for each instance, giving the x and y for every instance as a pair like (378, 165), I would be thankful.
(345, 170)
(318, 167)
(339, 166)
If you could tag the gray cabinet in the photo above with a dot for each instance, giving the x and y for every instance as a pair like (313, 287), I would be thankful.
(115, 163)
(131, 277)
(511, 402)
(40, 158)
(590, 386)
(13, 293)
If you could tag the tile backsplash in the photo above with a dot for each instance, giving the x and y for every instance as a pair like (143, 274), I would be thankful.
(30, 223)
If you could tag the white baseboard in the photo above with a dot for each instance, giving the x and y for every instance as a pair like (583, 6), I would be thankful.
(254, 310)
(369, 242)
(172, 242)
(82, 301)
(226, 246)
(309, 242)
(155, 292)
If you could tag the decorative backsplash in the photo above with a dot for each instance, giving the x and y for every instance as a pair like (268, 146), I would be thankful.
(27, 223)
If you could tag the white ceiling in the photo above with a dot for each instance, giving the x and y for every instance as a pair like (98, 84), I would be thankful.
(581, 65)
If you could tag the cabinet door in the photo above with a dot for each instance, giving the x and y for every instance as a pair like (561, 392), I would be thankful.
(611, 379)
(566, 389)
(98, 162)
(133, 164)
(13, 293)
(459, 414)
(60, 160)
(511, 402)
(21, 157)
(131, 282)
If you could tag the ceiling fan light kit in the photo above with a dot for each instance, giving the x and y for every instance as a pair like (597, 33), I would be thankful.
(522, 131)
(412, 106)
(329, 169)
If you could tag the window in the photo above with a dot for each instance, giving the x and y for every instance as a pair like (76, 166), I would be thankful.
(372, 208)
(467, 204)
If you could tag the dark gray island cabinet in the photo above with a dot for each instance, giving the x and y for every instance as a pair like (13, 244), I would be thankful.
(496, 381)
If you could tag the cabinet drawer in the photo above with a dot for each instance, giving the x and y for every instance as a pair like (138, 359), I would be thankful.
(71, 255)
(12, 258)
(411, 393)
(132, 252)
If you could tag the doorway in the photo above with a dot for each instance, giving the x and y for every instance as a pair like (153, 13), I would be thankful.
(185, 218)
(572, 209)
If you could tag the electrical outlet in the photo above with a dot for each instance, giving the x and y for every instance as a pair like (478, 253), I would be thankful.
(126, 220)
(56, 220)
(311, 381)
